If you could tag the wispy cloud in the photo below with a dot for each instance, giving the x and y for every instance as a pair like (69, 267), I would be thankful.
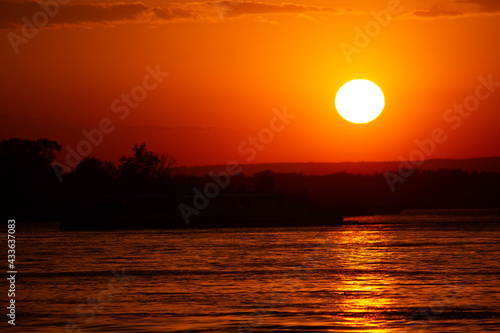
(458, 8)
(110, 14)
(485, 6)
(249, 7)
(435, 12)
(12, 13)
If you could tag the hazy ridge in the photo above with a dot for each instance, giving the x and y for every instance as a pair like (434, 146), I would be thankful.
(483, 164)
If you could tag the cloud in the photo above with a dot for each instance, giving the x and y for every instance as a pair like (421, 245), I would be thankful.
(172, 13)
(12, 13)
(486, 6)
(235, 8)
(219, 10)
(263, 19)
(435, 12)
(110, 14)
(460, 8)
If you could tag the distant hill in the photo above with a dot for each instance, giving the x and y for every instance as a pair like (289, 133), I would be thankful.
(485, 164)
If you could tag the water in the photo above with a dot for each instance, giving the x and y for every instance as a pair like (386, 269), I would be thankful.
(434, 271)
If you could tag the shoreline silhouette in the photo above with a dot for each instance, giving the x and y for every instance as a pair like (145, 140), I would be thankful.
(142, 191)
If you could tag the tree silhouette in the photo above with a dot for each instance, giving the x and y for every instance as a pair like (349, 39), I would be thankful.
(33, 191)
(28, 154)
(92, 176)
(26, 173)
(265, 180)
(167, 163)
(146, 165)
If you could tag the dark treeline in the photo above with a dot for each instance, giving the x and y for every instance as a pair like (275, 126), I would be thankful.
(357, 194)
(31, 190)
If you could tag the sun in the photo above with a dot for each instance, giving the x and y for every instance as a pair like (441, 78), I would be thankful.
(360, 101)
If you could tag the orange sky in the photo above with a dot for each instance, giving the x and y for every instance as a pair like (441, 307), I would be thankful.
(231, 64)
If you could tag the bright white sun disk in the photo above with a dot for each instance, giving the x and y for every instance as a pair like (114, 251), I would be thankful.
(360, 101)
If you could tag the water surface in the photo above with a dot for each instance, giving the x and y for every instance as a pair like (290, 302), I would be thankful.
(422, 271)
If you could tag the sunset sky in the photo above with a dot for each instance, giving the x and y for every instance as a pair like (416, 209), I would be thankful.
(231, 64)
